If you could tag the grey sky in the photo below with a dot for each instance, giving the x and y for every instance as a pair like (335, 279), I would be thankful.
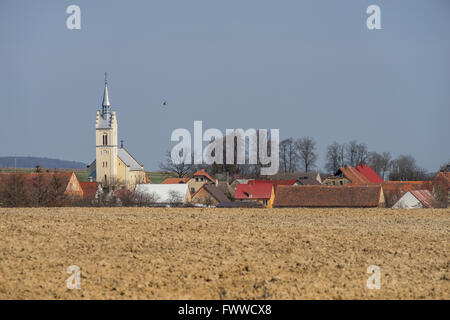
(305, 67)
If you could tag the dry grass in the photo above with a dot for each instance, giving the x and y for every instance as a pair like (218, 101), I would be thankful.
(144, 253)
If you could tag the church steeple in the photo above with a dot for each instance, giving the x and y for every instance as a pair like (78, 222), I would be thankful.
(106, 105)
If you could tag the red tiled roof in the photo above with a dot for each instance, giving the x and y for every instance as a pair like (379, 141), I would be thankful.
(354, 175)
(368, 172)
(89, 189)
(328, 196)
(426, 198)
(205, 174)
(174, 180)
(259, 190)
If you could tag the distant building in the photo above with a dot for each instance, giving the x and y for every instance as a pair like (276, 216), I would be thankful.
(416, 199)
(171, 194)
(209, 194)
(394, 190)
(362, 174)
(258, 192)
(92, 191)
(113, 165)
(357, 196)
(199, 179)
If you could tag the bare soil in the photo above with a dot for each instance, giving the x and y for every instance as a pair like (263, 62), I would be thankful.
(173, 253)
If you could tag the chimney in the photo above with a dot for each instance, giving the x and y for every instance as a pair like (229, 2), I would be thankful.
(121, 144)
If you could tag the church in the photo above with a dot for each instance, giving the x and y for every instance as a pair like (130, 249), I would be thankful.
(113, 166)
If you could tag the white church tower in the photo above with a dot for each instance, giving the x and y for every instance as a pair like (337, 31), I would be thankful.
(113, 165)
(106, 141)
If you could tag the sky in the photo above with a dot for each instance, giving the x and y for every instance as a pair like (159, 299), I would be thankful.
(307, 68)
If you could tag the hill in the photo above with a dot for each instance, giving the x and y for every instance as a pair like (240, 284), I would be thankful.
(32, 162)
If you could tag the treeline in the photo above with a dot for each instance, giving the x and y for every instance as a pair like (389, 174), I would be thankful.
(300, 154)
(17, 191)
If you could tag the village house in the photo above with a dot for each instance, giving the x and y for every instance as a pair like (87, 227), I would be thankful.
(209, 194)
(362, 174)
(92, 191)
(358, 196)
(414, 199)
(162, 194)
(113, 165)
(262, 192)
(197, 181)
(394, 190)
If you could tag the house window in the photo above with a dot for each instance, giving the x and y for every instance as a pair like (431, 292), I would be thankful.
(106, 178)
(196, 179)
(341, 182)
(201, 179)
(105, 139)
(265, 202)
(192, 190)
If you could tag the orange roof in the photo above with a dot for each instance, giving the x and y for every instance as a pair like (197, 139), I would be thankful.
(354, 175)
(202, 172)
(89, 189)
(174, 180)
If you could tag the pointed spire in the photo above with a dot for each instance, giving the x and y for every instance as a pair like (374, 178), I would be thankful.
(105, 93)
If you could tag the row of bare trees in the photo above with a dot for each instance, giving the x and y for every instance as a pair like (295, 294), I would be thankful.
(300, 155)
(15, 191)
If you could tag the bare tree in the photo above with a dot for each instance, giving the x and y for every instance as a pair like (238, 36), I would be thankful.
(356, 153)
(362, 154)
(306, 147)
(56, 192)
(13, 192)
(351, 153)
(145, 199)
(335, 156)
(385, 163)
(40, 190)
(180, 170)
(445, 167)
(175, 198)
(405, 168)
(288, 156)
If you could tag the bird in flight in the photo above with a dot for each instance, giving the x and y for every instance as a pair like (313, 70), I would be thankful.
(164, 103)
